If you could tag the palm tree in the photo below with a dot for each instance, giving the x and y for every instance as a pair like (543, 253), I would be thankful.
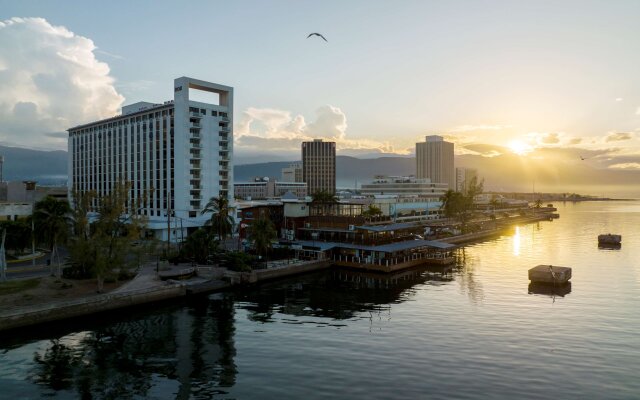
(538, 203)
(324, 199)
(262, 234)
(53, 218)
(372, 211)
(221, 221)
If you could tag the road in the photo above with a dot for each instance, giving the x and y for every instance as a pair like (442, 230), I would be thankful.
(24, 271)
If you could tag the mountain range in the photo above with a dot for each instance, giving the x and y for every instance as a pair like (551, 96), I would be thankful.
(505, 172)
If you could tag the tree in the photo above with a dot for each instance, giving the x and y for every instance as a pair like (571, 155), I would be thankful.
(104, 246)
(538, 203)
(18, 234)
(52, 219)
(262, 234)
(372, 211)
(199, 246)
(461, 206)
(221, 221)
(323, 200)
(453, 204)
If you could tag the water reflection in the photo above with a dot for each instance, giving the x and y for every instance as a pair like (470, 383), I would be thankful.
(338, 294)
(550, 290)
(465, 264)
(189, 352)
(516, 242)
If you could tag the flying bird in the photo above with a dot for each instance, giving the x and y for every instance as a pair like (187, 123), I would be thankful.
(317, 34)
(582, 158)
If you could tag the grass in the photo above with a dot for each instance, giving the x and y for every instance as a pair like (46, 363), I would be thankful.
(11, 287)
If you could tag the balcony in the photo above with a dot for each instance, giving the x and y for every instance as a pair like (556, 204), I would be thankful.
(195, 145)
(195, 124)
(224, 129)
(196, 197)
(225, 119)
(195, 167)
(195, 114)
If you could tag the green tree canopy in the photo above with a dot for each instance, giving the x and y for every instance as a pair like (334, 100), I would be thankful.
(52, 220)
(263, 233)
(221, 222)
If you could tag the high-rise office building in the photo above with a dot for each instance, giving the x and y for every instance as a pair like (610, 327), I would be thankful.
(175, 156)
(319, 166)
(464, 177)
(434, 160)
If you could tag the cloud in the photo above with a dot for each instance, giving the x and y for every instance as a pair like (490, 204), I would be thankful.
(575, 141)
(50, 80)
(619, 99)
(618, 136)
(485, 150)
(549, 138)
(268, 129)
(633, 165)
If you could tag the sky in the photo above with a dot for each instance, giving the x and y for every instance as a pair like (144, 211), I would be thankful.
(495, 77)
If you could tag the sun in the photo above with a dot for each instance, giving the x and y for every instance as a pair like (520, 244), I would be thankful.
(518, 147)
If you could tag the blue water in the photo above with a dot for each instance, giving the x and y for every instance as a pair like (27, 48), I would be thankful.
(479, 332)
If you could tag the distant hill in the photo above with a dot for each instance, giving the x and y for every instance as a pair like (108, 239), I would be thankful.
(349, 169)
(45, 167)
(502, 173)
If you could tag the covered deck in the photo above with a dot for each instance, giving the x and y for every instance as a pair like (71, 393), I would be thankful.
(386, 257)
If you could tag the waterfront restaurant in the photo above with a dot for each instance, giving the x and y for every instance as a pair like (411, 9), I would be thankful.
(387, 248)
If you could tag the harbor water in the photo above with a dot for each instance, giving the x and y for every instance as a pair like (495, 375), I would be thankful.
(479, 331)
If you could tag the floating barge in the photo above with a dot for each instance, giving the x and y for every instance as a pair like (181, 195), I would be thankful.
(550, 275)
(609, 240)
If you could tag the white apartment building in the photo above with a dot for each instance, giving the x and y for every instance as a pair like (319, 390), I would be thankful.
(434, 160)
(176, 155)
(403, 186)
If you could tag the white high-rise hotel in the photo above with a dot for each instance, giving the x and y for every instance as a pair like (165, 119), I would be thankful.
(177, 155)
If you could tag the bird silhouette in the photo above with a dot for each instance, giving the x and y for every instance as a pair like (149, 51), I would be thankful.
(317, 34)
(582, 158)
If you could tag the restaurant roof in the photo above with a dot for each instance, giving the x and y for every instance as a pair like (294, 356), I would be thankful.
(386, 248)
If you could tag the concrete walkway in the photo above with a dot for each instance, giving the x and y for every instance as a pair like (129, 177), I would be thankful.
(146, 279)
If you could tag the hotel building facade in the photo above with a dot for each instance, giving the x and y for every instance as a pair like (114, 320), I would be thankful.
(175, 156)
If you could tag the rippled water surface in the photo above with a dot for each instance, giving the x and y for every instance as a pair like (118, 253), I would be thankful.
(479, 332)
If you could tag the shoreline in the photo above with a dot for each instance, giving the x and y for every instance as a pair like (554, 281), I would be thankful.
(154, 293)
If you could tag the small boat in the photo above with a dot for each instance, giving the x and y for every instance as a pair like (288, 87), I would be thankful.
(550, 274)
(609, 239)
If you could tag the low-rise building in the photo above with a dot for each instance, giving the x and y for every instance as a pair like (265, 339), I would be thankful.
(404, 186)
(266, 188)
